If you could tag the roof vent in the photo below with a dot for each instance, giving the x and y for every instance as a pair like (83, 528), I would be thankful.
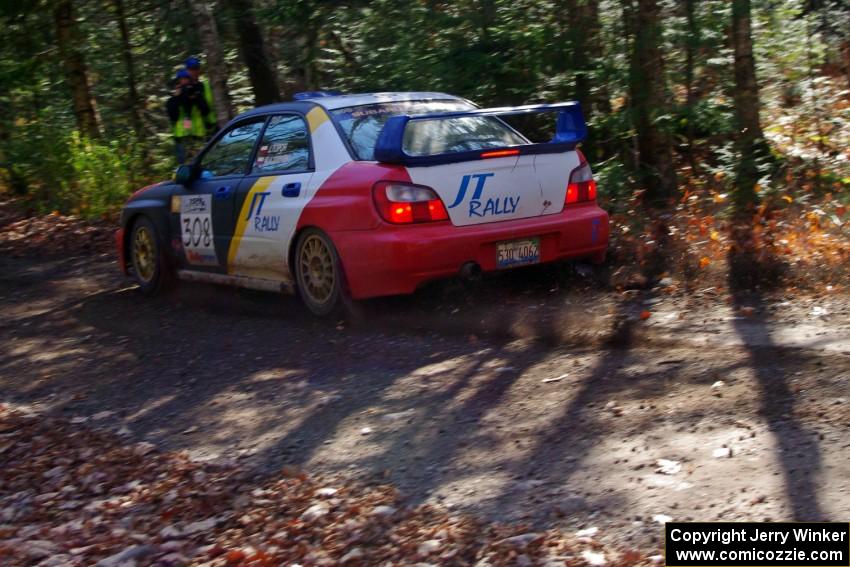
(315, 94)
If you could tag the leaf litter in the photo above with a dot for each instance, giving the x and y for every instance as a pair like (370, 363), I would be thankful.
(73, 495)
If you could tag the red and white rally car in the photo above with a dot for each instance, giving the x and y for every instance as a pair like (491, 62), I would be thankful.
(335, 196)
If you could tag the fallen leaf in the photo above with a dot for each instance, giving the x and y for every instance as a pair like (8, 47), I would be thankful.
(593, 558)
(587, 532)
(666, 466)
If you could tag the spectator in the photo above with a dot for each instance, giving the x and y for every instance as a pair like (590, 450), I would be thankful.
(193, 66)
(186, 108)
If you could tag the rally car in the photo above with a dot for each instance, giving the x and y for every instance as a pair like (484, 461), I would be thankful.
(355, 196)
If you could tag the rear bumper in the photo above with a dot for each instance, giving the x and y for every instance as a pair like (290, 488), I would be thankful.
(392, 260)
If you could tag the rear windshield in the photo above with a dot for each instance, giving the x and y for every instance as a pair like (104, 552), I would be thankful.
(361, 126)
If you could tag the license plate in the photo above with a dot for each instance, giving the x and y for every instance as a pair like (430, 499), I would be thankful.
(517, 253)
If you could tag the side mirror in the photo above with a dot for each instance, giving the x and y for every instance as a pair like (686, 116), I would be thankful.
(184, 174)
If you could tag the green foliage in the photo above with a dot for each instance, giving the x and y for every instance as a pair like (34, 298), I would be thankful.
(491, 51)
(614, 183)
(101, 177)
(708, 118)
(63, 171)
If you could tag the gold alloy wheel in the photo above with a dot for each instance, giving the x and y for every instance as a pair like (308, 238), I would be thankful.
(318, 274)
(144, 255)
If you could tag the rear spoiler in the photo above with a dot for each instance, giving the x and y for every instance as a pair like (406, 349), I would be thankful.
(570, 129)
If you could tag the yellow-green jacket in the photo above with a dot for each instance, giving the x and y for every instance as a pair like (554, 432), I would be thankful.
(201, 125)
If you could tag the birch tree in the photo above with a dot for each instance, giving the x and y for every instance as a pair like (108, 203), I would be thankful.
(74, 65)
(215, 67)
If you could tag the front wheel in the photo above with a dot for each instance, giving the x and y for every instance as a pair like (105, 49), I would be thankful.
(149, 268)
(318, 273)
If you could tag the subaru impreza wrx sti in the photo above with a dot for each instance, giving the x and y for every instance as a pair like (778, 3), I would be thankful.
(357, 196)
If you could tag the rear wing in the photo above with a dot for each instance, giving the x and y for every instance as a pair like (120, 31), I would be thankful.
(570, 129)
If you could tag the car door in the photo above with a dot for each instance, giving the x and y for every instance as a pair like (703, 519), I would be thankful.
(204, 210)
(270, 199)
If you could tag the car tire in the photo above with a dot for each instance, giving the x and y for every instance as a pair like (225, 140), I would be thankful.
(318, 274)
(150, 268)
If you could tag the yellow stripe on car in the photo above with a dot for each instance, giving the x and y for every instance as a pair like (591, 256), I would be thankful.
(242, 221)
(316, 118)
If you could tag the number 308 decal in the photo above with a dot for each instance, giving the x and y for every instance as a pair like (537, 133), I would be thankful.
(197, 230)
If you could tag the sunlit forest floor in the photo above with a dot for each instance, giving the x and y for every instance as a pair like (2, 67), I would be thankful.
(535, 419)
(798, 234)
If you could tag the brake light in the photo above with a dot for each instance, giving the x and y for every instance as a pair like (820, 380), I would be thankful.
(404, 203)
(499, 153)
(582, 186)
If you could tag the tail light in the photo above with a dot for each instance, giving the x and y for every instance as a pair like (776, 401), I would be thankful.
(404, 203)
(581, 187)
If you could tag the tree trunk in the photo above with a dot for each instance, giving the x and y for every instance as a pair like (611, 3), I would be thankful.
(750, 139)
(215, 68)
(260, 71)
(74, 66)
(601, 97)
(134, 101)
(580, 64)
(9, 178)
(311, 73)
(691, 45)
(580, 19)
(649, 102)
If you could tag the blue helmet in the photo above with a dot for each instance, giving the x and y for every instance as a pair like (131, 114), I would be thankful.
(183, 74)
(193, 63)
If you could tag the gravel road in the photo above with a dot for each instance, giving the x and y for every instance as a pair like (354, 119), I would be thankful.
(529, 398)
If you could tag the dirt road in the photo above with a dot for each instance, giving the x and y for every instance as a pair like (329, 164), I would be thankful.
(528, 398)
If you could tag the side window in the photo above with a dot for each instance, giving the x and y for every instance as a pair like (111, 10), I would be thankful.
(231, 154)
(285, 146)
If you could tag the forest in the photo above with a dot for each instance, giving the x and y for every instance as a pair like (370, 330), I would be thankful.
(556, 414)
(717, 109)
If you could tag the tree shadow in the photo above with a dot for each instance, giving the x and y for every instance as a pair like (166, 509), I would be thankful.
(471, 395)
(258, 376)
(300, 383)
(753, 268)
(254, 372)
(577, 429)
(490, 393)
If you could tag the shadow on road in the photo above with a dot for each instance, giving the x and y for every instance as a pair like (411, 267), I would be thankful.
(753, 268)
(169, 367)
(578, 429)
(254, 375)
(258, 377)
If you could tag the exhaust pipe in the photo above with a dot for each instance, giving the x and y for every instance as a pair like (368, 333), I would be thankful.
(470, 272)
